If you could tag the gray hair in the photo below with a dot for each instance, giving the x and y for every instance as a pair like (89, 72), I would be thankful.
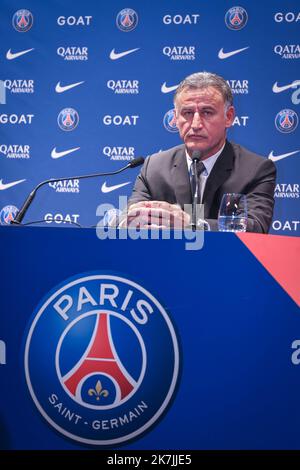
(204, 80)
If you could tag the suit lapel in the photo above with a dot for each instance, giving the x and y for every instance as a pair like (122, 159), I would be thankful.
(219, 174)
(180, 178)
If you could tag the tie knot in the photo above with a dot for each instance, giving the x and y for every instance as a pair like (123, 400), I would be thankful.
(200, 168)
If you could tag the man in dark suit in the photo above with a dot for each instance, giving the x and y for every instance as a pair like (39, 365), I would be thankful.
(204, 111)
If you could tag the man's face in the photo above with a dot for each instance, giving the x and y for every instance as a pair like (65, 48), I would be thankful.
(202, 120)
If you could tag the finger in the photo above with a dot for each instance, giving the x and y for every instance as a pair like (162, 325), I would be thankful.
(137, 205)
(157, 216)
(155, 204)
(147, 219)
(154, 226)
(160, 217)
(154, 212)
(164, 205)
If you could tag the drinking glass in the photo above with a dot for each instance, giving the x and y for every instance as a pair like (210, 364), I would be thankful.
(233, 213)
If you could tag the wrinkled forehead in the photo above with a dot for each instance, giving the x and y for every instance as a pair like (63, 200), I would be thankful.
(190, 94)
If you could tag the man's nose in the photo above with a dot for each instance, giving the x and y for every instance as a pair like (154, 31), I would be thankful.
(197, 122)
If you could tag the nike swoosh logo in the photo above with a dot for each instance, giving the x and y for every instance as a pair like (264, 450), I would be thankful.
(61, 89)
(108, 189)
(279, 89)
(9, 185)
(117, 55)
(168, 89)
(55, 154)
(280, 157)
(13, 55)
(225, 55)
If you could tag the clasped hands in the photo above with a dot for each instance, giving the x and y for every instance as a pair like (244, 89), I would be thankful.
(155, 214)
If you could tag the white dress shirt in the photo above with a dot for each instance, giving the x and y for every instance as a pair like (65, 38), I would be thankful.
(208, 163)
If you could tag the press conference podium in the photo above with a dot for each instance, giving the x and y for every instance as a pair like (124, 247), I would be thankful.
(237, 327)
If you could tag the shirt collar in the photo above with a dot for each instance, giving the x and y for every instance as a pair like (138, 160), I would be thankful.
(208, 162)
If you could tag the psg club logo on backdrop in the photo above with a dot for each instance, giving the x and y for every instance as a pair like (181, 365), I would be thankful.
(7, 214)
(170, 121)
(22, 20)
(68, 119)
(236, 18)
(286, 121)
(127, 20)
(101, 359)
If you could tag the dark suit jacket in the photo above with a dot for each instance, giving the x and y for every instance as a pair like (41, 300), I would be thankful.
(164, 177)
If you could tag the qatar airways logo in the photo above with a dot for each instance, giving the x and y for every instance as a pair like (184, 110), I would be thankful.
(287, 190)
(73, 53)
(15, 151)
(66, 186)
(239, 87)
(119, 153)
(19, 86)
(288, 51)
(120, 87)
(105, 381)
(180, 52)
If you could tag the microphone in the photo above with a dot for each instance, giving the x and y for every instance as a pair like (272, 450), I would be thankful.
(196, 157)
(136, 162)
(20, 215)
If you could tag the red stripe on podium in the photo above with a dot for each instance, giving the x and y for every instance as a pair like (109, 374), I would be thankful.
(280, 255)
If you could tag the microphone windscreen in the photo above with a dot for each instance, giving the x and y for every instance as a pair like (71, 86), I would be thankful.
(136, 162)
(196, 155)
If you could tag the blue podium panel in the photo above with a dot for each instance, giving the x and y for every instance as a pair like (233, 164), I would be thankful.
(141, 344)
(87, 86)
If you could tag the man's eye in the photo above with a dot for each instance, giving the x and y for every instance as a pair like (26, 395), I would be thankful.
(188, 113)
(207, 113)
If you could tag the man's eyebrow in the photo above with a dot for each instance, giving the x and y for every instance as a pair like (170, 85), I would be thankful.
(208, 106)
(202, 108)
(185, 107)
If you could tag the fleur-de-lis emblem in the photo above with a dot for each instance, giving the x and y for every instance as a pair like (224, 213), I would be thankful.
(98, 391)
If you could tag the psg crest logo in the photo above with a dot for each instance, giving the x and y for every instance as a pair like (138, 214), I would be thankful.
(170, 121)
(236, 18)
(7, 214)
(101, 359)
(286, 121)
(127, 20)
(68, 119)
(22, 21)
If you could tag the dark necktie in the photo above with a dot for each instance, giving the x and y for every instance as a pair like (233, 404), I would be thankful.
(195, 181)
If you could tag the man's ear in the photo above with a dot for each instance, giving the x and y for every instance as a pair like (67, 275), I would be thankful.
(229, 116)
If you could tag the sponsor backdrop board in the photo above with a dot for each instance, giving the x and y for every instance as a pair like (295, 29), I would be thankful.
(111, 347)
(86, 86)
